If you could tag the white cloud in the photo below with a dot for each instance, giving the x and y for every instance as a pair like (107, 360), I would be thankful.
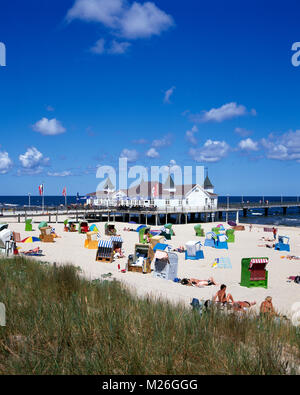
(32, 161)
(152, 153)
(163, 142)
(118, 48)
(248, 145)
(190, 135)
(242, 132)
(49, 127)
(131, 155)
(212, 151)
(131, 21)
(99, 47)
(5, 162)
(283, 147)
(225, 112)
(107, 12)
(168, 94)
(59, 174)
(144, 20)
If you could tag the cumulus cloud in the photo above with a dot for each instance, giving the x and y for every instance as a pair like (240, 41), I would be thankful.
(99, 47)
(248, 145)
(130, 155)
(48, 127)
(283, 147)
(163, 142)
(33, 161)
(168, 94)
(152, 153)
(211, 151)
(242, 132)
(190, 135)
(129, 21)
(225, 112)
(5, 162)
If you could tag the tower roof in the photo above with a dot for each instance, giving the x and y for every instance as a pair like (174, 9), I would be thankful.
(108, 185)
(169, 183)
(207, 183)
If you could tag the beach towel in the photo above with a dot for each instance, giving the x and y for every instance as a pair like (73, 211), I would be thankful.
(222, 263)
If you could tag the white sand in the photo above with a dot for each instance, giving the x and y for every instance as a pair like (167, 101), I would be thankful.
(70, 249)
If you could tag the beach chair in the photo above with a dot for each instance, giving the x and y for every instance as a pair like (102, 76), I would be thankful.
(83, 227)
(283, 243)
(66, 228)
(46, 236)
(165, 265)
(91, 241)
(153, 242)
(169, 226)
(7, 243)
(140, 261)
(142, 235)
(42, 224)
(110, 230)
(210, 239)
(28, 225)
(254, 273)
(216, 230)
(199, 231)
(3, 226)
(193, 250)
(221, 242)
(230, 235)
(71, 226)
(105, 252)
(117, 242)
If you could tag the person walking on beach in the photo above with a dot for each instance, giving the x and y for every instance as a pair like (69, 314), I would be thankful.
(274, 233)
(250, 227)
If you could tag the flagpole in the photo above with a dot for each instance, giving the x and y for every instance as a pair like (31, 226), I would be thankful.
(43, 202)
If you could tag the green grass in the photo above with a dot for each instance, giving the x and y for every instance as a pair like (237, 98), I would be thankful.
(58, 323)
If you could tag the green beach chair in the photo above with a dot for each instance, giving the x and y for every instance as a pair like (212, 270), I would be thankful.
(199, 231)
(216, 230)
(169, 226)
(28, 225)
(43, 224)
(254, 273)
(230, 235)
(142, 233)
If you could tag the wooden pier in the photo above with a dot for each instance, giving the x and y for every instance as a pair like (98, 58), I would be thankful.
(143, 215)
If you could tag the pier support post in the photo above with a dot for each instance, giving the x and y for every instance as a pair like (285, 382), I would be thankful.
(49, 218)
(284, 209)
(226, 216)
(212, 217)
(237, 217)
(156, 220)
(185, 218)
(146, 218)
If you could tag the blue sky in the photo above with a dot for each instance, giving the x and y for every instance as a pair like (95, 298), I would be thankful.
(194, 82)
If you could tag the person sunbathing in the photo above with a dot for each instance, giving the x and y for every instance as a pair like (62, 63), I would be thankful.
(243, 305)
(221, 296)
(202, 283)
(194, 282)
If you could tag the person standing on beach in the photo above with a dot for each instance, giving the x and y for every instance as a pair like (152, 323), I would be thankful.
(267, 308)
(250, 227)
(274, 233)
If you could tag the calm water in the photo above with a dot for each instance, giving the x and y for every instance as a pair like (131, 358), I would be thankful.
(275, 214)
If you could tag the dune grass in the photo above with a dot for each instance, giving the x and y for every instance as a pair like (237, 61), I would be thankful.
(59, 323)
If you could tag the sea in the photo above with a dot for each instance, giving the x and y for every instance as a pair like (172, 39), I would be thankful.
(255, 216)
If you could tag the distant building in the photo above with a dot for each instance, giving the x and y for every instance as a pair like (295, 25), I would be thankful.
(151, 194)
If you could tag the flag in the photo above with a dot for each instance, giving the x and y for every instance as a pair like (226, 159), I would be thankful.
(64, 192)
(155, 190)
(41, 189)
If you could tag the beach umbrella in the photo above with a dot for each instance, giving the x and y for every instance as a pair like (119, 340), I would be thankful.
(30, 239)
(231, 223)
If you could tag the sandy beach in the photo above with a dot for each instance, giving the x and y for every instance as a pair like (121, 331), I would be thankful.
(69, 249)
